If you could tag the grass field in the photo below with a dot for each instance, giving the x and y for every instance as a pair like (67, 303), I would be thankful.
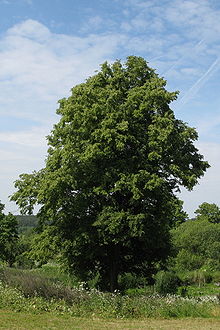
(12, 320)
(32, 300)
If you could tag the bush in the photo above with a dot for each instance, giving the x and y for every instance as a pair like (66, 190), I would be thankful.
(166, 282)
(196, 243)
(56, 274)
(197, 277)
(187, 260)
(32, 284)
(208, 290)
(131, 281)
(216, 277)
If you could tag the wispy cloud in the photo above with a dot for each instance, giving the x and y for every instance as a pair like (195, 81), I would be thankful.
(94, 23)
(10, 2)
(199, 83)
(46, 66)
(187, 52)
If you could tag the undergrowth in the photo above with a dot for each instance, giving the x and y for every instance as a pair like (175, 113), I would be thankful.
(36, 292)
(92, 303)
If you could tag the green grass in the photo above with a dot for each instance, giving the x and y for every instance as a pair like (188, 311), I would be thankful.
(39, 291)
(12, 320)
(83, 303)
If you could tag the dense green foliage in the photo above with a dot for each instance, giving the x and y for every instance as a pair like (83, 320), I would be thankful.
(115, 160)
(208, 212)
(197, 241)
(44, 246)
(166, 282)
(8, 237)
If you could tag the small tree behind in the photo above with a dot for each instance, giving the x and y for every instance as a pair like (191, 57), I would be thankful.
(197, 241)
(207, 211)
(8, 237)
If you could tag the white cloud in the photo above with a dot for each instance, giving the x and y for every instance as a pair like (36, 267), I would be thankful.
(125, 26)
(29, 2)
(190, 71)
(196, 17)
(139, 22)
(30, 29)
(29, 138)
(11, 2)
(93, 23)
(200, 82)
(38, 67)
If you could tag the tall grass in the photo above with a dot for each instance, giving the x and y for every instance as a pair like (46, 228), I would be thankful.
(32, 291)
(105, 305)
(33, 284)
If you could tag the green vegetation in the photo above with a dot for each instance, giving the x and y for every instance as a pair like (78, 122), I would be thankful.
(26, 223)
(196, 245)
(27, 291)
(115, 161)
(49, 290)
(166, 282)
(111, 239)
(8, 237)
(14, 320)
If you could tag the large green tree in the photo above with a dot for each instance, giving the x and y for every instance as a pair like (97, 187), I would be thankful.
(115, 161)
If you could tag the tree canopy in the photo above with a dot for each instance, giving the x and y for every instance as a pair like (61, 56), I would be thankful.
(115, 161)
(209, 212)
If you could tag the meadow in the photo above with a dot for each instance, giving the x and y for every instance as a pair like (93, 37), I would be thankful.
(46, 298)
(43, 296)
(13, 320)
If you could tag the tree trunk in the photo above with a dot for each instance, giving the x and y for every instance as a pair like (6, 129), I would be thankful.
(114, 258)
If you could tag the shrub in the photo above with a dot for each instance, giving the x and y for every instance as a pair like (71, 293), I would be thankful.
(216, 277)
(198, 277)
(130, 281)
(196, 243)
(187, 260)
(166, 282)
(31, 285)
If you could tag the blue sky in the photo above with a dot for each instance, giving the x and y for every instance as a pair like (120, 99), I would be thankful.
(48, 46)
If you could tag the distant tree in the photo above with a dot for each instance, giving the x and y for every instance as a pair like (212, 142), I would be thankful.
(207, 211)
(8, 237)
(116, 159)
(26, 223)
(197, 241)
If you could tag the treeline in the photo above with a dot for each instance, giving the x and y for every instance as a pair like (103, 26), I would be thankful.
(26, 222)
